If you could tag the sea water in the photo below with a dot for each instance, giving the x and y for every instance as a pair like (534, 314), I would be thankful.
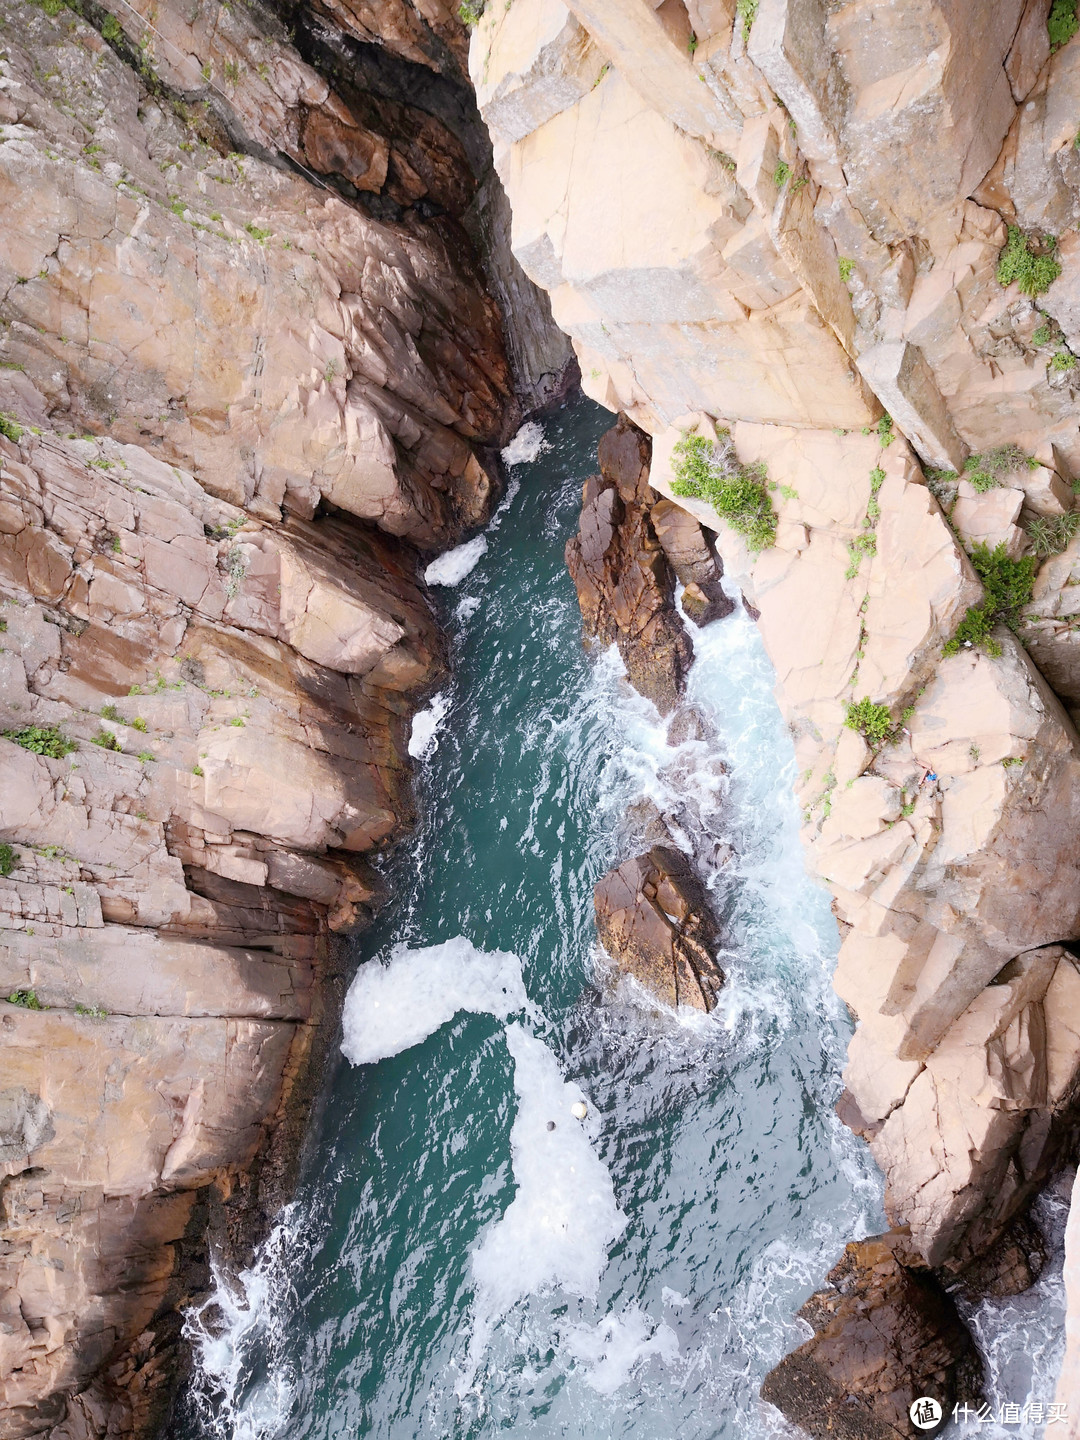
(464, 1256)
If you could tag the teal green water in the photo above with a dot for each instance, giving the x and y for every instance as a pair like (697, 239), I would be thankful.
(737, 1184)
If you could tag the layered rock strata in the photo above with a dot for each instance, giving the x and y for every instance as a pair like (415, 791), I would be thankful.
(249, 370)
(844, 236)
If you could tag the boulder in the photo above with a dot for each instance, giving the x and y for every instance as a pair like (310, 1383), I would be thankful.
(625, 585)
(884, 1335)
(692, 555)
(654, 920)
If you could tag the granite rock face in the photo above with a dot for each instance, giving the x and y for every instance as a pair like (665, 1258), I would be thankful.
(792, 227)
(654, 919)
(249, 372)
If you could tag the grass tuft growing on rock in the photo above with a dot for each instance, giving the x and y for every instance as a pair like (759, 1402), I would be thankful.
(106, 739)
(746, 13)
(1008, 585)
(470, 12)
(8, 860)
(873, 722)
(10, 428)
(711, 471)
(1022, 261)
(984, 472)
(42, 740)
(27, 999)
(1051, 534)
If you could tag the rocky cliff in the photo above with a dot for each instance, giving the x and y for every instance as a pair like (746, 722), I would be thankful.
(251, 371)
(826, 255)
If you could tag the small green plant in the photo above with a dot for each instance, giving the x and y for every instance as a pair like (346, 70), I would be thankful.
(115, 545)
(8, 860)
(10, 428)
(984, 472)
(692, 44)
(746, 14)
(1063, 360)
(232, 71)
(256, 234)
(207, 72)
(873, 722)
(782, 174)
(106, 739)
(1034, 268)
(1011, 760)
(3, 627)
(846, 267)
(237, 720)
(26, 998)
(237, 571)
(110, 712)
(711, 471)
(885, 430)
(197, 770)
(94, 1011)
(470, 12)
(789, 492)
(330, 371)
(864, 544)
(146, 757)
(1062, 23)
(1051, 534)
(110, 30)
(139, 724)
(42, 740)
(1044, 334)
(1007, 586)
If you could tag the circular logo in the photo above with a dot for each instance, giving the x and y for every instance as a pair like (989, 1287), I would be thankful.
(925, 1413)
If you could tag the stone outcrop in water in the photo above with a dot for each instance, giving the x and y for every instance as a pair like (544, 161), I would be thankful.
(804, 226)
(248, 363)
(625, 583)
(884, 1335)
(654, 919)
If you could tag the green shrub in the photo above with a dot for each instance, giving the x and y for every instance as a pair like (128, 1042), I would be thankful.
(110, 30)
(8, 860)
(1007, 585)
(1063, 360)
(885, 430)
(10, 428)
(984, 472)
(42, 740)
(746, 12)
(110, 712)
(1062, 23)
(847, 268)
(711, 471)
(106, 739)
(1034, 273)
(1051, 534)
(27, 999)
(470, 12)
(94, 1011)
(146, 757)
(139, 724)
(256, 234)
(873, 722)
(782, 174)
(1043, 334)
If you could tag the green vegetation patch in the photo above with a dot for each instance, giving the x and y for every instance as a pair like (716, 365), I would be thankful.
(873, 722)
(106, 739)
(1033, 268)
(470, 12)
(10, 428)
(27, 999)
(1051, 534)
(1008, 585)
(1062, 23)
(711, 471)
(984, 472)
(8, 860)
(746, 14)
(42, 740)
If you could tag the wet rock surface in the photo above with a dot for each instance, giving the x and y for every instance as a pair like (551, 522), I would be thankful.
(625, 583)
(884, 1336)
(654, 919)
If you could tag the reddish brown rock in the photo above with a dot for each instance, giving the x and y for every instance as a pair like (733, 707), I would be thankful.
(653, 919)
(884, 1335)
(625, 584)
(693, 557)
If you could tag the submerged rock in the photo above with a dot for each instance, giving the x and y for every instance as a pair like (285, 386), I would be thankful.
(625, 585)
(884, 1336)
(653, 919)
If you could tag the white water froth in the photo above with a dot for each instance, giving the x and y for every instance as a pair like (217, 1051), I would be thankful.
(390, 1008)
(527, 445)
(612, 1352)
(452, 567)
(423, 737)
(557, 1230)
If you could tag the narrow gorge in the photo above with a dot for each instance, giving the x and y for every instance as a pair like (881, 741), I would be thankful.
(418, 1023)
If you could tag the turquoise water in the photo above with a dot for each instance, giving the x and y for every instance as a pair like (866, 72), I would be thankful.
(735, 1184)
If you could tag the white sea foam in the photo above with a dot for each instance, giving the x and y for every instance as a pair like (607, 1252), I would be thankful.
(527, 445)
(390, 1008)
(467, 608)
(423, 736)
(452, 567)
(613, 1351)
(557, 1230)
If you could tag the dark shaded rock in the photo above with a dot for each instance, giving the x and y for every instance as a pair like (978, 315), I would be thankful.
(625, 585)
(693, 557)
(1010, 1266)
(885, 1334)
(654, 920)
